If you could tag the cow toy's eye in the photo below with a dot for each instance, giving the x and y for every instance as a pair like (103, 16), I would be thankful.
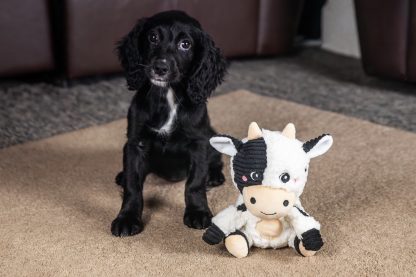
(254, 176)
(306, 169)
(285, 177)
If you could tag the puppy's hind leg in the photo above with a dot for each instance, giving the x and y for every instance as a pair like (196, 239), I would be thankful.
(120, 179)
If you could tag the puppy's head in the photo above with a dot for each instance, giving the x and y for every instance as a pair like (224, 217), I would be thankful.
(170, 49)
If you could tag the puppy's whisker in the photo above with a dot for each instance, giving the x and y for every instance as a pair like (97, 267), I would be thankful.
(140, 68)
(144, 65)
(135, 71)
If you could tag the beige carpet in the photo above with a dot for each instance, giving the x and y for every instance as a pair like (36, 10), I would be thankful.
(57, 200)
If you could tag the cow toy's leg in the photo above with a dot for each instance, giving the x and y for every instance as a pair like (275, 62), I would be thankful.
(306, 238)
(238, 244)
(297, 244)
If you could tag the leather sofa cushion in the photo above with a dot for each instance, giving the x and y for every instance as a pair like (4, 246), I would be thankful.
(240, 28)
(383, 32)
(26, 44)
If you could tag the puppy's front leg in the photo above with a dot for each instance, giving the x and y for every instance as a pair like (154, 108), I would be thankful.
(197, 213)
(135, 168)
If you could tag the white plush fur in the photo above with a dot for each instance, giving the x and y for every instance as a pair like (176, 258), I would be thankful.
(229, 220)
(284, 155)
(301, 223)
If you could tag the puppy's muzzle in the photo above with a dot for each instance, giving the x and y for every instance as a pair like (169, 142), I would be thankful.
(161, 68)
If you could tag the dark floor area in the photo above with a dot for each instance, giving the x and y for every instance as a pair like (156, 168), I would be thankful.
(34, 110)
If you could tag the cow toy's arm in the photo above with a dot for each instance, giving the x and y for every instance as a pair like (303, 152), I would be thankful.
(224, 223)
(307, 238)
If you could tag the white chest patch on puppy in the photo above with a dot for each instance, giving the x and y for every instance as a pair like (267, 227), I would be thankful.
(167, 127)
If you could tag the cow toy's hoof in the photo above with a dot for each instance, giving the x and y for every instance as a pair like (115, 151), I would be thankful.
(305, 252)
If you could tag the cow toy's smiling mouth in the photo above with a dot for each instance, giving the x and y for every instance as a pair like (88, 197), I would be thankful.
(268, 214)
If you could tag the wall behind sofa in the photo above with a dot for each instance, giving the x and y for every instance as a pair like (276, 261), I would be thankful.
(339, 28)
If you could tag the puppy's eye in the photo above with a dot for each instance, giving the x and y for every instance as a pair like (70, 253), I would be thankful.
(285, 177)
(184, 45)
(153, 38)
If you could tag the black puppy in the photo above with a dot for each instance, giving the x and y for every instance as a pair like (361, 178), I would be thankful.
(174, 66)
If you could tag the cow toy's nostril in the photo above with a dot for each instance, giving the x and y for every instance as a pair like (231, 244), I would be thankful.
(285, 203)
(253, 200)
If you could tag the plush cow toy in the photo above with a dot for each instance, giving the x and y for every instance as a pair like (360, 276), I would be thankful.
(270, 171)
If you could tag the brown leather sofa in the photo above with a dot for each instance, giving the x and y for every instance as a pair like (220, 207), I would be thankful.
(387, 32)
(84, 33)
(240, 28)
(25, 37)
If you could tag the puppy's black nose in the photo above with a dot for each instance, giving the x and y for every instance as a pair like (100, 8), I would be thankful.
(161, 67)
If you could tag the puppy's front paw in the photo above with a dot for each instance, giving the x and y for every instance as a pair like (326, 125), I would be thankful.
(197, 219)
(125, 225)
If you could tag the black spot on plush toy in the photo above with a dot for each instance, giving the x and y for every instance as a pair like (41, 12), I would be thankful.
(270, 170)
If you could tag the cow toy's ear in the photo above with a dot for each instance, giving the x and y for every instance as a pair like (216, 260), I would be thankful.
(318, 146)
(226, 144)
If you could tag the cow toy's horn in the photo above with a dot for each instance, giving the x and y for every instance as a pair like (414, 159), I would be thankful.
(289, 131)
(254, 131)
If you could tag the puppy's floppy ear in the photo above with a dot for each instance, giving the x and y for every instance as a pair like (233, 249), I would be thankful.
(208, 71)
(131, 58)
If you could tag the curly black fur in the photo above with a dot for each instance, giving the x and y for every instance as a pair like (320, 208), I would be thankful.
(208, 69)
(130, 58)
(208, 65)
(169, 52)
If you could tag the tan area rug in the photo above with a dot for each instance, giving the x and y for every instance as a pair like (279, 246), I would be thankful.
(58, 198)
